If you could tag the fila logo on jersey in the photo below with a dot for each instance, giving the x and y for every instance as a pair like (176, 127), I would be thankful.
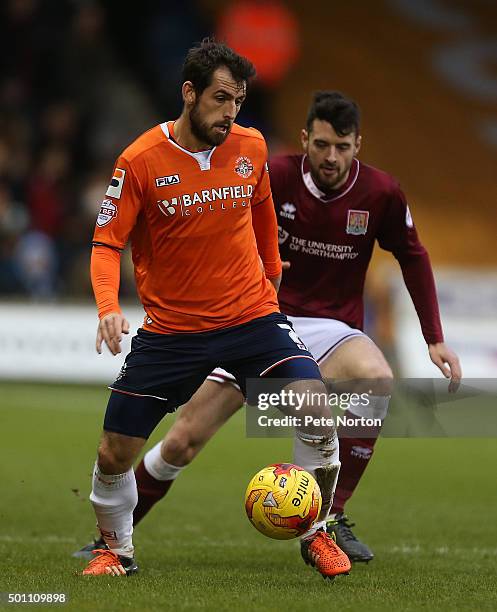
(357, 222)
(288, 211)
(108, 210)
(164, 181)
(244, 167)
(116, 184)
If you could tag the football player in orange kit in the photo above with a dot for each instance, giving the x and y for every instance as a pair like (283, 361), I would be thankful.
(194, 199)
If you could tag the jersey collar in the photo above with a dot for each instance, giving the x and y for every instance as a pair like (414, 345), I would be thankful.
(336, 194)
(203, 158)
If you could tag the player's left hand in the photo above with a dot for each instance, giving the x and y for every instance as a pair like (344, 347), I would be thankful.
(447, 362)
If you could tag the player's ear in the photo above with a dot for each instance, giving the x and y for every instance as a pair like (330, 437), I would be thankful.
(304, 139)
(188, 92)
(358, 142)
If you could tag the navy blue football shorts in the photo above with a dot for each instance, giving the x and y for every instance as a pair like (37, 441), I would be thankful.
(163, 371)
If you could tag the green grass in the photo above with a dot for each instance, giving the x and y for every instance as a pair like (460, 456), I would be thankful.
(426, 507)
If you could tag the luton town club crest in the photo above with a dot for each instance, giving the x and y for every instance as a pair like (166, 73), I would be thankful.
(357, 222)
(244, 167)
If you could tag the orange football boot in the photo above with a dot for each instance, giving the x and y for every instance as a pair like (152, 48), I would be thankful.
(322, 552)
(108, 563)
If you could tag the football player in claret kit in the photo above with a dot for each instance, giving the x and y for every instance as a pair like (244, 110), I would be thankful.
(331, 208)
(193, 197)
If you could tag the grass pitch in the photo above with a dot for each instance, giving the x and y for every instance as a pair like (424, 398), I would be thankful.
(427, 507)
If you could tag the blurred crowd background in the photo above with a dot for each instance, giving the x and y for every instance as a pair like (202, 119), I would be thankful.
(81, 79)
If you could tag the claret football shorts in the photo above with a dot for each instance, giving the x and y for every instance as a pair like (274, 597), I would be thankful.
(162, 371)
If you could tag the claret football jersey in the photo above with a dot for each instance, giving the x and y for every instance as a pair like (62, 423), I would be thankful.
(329, 240)
(188, 217)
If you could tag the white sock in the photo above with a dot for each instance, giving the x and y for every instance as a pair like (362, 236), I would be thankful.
(157, 467)
(376, 408)
(114, 498)
(320, 457)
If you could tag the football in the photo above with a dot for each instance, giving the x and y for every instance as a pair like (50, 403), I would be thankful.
(282, 501)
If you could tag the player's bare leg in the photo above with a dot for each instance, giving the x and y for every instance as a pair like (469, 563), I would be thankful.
(114, 497)
(358, 359)
(198, 420)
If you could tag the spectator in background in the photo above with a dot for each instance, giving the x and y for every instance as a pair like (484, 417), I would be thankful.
(253, 28)
(13, 221)
(78, 80)
(36, 263)
(46, 195)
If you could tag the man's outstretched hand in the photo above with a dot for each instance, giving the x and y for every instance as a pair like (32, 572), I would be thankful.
(447, 362)
(110, 330)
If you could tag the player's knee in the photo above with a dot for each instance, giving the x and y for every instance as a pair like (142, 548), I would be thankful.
(113, 458)
(318, 422)
(179, 450)
(379, 373)
(316, 416)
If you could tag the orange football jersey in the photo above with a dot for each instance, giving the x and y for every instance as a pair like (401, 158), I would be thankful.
(188, 216)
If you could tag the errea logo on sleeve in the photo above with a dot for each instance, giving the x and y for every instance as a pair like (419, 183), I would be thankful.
(116, 184)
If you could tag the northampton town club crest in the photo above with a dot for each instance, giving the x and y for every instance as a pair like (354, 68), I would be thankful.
(244, 167)
(357, 222)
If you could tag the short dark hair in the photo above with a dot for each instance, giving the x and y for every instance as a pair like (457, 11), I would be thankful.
(338, 110)
(201, 62)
